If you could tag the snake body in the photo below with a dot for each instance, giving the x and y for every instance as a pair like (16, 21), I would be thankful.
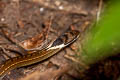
(35, 56)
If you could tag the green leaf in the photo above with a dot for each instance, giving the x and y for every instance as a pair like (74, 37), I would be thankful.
(103, 40)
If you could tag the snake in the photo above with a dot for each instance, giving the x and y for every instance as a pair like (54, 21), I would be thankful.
(35, 56)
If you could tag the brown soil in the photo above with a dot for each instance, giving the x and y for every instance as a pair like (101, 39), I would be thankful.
(36, 22)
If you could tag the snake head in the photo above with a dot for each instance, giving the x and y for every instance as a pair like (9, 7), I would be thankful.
(65, 39)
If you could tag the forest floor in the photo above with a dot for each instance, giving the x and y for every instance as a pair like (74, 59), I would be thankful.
(27, 24)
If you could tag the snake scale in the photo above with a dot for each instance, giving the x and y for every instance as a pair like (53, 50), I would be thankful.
(35, 56)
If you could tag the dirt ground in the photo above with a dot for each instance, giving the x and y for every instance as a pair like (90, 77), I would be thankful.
(34, 23)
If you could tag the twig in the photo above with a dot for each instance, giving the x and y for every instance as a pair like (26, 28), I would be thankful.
(12, 40)
(99, 10)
